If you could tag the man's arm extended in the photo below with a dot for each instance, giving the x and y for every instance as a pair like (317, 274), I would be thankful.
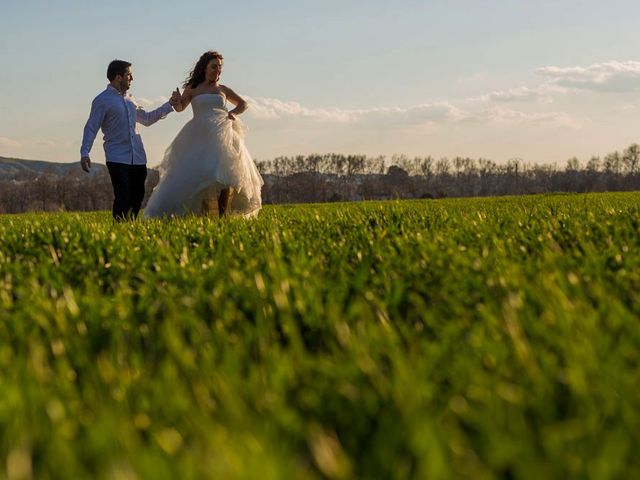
(149, 118)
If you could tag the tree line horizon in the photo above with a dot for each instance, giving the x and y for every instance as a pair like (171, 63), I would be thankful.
(330, 177)
(627, 161)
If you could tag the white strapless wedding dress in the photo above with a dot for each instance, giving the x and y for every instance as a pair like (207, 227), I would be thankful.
(207, 155)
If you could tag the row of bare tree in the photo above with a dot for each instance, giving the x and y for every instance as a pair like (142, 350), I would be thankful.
(625, 162)
(335, 177)
(310, 187)
(69, 192)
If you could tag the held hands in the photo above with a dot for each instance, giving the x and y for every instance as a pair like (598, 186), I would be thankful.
(85, 163)
(176, 99)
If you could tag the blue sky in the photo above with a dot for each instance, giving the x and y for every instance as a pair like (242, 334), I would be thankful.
(541, 80)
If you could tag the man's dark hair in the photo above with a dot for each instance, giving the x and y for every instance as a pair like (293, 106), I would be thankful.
(116, 67)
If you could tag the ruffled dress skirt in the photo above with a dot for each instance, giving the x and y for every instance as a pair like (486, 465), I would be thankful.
(206, 156)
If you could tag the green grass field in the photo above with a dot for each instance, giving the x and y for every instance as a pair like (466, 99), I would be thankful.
(469, 338)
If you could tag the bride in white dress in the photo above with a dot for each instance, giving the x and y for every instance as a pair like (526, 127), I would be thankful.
(207, 162)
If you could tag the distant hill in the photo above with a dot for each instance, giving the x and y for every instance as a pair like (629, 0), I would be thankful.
(20, 169)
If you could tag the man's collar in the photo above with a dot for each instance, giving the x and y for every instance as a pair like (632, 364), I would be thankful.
(114, 89)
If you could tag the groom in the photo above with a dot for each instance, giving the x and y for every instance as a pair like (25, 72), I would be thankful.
(116, 114)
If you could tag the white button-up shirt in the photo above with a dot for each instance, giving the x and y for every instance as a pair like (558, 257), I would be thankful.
(117, 115)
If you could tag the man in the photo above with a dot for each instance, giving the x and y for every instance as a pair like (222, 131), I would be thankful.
(115, 112)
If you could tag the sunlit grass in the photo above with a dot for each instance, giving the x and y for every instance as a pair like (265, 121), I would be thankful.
(478, 338)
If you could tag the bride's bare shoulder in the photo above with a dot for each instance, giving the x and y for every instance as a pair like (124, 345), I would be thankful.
(232, 96)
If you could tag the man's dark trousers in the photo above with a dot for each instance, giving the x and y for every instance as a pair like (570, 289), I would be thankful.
(128, 189)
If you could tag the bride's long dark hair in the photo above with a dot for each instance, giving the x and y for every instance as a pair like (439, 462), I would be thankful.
(197, 75)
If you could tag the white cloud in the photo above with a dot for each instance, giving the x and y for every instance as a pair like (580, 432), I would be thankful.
(9, 143)
(273, 109)
(146, 102)
(507, 115)
(427, 113)
(430, 114)
(613, 76)
(540, 94)
(492, 108)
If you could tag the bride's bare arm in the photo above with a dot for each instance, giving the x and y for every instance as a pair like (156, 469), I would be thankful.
(237, 100)
(185, 100)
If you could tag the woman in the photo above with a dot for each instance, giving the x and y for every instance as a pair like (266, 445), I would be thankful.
(207, 162)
